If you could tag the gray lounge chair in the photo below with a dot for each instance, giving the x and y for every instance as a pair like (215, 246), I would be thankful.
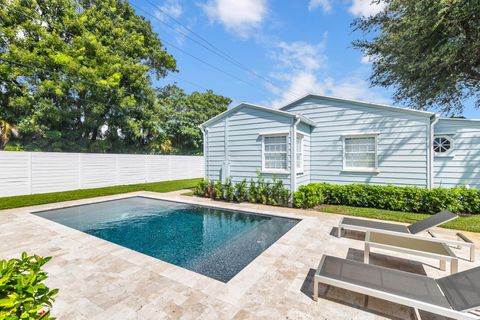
(435, 220)
(454, 296)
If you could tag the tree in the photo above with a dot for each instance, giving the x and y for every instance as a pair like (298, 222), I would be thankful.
(76, 75)
(428, 51)
(6, 131)
(182, 114)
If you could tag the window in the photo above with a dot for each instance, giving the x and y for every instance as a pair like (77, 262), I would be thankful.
(442, 144)
(360, 152)
(275, 153)
(299, 152)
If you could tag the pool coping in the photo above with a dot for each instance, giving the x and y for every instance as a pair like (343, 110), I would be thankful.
(228, 292)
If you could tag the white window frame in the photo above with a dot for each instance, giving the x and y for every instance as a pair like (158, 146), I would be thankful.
(302, 152)
(360, 169)
(448, 152)
(272, 170)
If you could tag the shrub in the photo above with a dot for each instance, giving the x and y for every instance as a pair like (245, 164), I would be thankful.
(408, 199)
(259, 191)
(229, 190)
(241, 191)
(201, 189)
(22, 292)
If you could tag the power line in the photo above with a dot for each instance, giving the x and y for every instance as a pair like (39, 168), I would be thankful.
(218, 52)
(189, 82)
(222, 55)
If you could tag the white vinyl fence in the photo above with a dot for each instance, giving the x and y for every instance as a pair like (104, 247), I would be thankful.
(40, 172)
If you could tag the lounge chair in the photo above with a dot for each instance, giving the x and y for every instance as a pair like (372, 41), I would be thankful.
(410, 230)
(454, 296)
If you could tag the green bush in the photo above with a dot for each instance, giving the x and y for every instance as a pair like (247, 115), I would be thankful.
(257, 191)
(22, 292)
(460, 200)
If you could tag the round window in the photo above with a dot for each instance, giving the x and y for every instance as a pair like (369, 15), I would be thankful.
(442, 144)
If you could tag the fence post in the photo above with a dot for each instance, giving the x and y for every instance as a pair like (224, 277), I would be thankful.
(79, 161)
(29, 173)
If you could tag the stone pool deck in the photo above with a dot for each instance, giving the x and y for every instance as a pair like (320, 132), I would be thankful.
(101, 280)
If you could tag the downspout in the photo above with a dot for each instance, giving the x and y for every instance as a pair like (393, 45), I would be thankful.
(431, 158)
(293, 155)
(205, 166)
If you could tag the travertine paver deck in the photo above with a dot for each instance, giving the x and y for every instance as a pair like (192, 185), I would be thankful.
(101, 280)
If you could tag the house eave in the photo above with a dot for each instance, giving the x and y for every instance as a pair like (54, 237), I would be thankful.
(258, 107)
(363, 103)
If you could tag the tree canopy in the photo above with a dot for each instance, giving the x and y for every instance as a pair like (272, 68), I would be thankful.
(77, 75)
(182, 114)
(428, 51)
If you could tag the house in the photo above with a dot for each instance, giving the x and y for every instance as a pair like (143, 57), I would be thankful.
(326, 139)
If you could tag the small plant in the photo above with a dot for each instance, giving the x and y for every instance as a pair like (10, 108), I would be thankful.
(22, 292)
(201, 189)
(229, 190)
(241, 192)
(252, 191)
(218, 190)
(259, 191)
(211, 189)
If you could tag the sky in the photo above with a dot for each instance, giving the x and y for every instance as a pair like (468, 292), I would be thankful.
(267, 52)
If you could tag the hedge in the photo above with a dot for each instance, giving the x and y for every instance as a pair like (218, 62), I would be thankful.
(460, 200)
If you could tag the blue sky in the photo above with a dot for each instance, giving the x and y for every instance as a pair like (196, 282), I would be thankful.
(286, 48)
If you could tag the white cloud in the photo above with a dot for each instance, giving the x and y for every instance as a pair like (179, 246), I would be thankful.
(365, 7)
(326, 5)
(241, 17)
(366, 59)
(302, 68)
(170, 7)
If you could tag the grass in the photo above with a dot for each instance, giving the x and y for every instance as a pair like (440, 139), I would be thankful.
(44, 198)
(468, 223)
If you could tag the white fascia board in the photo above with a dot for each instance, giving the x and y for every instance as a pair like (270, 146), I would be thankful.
(367, 104)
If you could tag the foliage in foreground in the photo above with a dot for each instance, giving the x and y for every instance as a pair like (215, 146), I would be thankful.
(43, 198)
(23, 295)
(260, 191)
(460, 200)
(426, 50)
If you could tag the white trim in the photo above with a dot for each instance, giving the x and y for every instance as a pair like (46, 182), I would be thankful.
(274, 133)
(262, 108)
(360, 169)
(363, 103)
(430, 154)
(272, 170)
(461, 119)
(302, 152)
(366, 170)
(449, 151)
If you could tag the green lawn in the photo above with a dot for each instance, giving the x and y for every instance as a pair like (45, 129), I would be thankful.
(36, 199)
(468, 223)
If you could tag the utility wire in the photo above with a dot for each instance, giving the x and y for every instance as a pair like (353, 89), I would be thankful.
(214, 51)
(217, 50)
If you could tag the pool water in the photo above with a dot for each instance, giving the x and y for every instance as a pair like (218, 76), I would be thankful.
(217, 243)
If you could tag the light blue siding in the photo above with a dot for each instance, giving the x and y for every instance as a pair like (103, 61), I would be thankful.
(461, 166)
(215, 149)
(304, 178)
(244, 143)
(402, 142)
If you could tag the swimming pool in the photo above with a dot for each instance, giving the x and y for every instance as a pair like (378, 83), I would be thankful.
(215, 242)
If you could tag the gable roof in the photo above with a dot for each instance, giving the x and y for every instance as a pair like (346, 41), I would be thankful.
(262, 108)
(366, 104)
